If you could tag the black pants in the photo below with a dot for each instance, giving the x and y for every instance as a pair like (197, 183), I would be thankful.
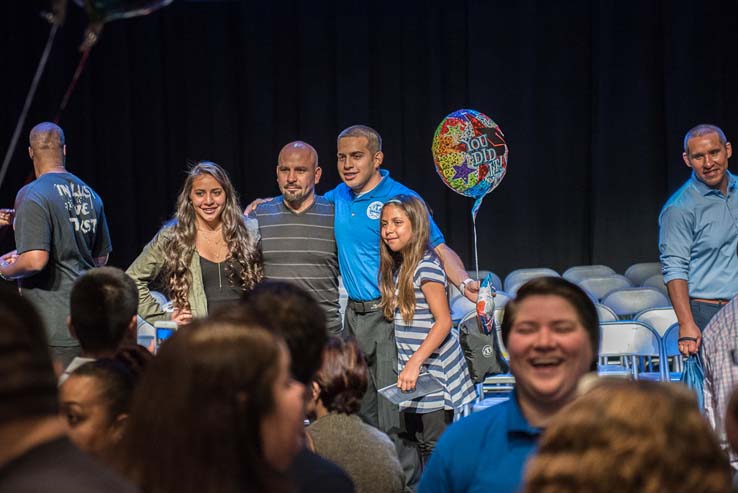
(375, 336)
(425, 430)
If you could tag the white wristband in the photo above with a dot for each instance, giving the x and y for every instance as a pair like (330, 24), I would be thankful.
(462, 284)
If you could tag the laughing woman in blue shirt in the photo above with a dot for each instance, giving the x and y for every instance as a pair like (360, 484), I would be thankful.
(551, 332)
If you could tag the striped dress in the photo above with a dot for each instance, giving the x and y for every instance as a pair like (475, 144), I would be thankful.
(446, 363)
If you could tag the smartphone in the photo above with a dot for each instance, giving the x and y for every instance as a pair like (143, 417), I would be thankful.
(164, 330)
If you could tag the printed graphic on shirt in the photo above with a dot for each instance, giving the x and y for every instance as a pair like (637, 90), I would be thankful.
(78, 202)
(374, 210)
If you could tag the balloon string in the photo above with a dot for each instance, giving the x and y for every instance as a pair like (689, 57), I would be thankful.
(73, 83)
(476, 252)
(29, 100)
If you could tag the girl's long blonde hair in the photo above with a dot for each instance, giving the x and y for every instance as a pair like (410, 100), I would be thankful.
(180, 247)
(404, 263)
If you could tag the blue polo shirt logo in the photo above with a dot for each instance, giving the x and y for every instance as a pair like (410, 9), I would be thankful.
(374, 210)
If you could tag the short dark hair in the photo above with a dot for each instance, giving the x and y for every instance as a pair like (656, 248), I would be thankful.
(118, 377)
(344, 376)
(701, 130)
(374, 140)
(28, 386)
(102, 303)
(556, 286)
(291, 312)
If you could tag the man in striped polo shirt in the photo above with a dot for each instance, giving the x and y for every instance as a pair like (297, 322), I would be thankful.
(296, 229)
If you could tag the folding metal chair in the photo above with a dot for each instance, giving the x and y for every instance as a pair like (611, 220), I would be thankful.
(519, 276)
(627, 302)
(581, 272)
(601, 286)
(657, 281)
(636, 346)
(638, 273)
(605, 314)
(673, 358)
(660, 318)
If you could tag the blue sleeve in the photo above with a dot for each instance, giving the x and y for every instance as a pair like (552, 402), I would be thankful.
(330, 195)
(436, 237)
(436, 474)
(675, 242)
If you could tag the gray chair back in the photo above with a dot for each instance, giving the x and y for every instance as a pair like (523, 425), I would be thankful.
(660, 318)
(601, 286)
(638, 273)
(519, 276)
(580, 272)
(627, 302)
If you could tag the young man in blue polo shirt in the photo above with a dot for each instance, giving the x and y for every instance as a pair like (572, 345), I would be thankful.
(358, 205)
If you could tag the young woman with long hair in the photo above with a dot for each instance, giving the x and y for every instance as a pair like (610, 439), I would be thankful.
(205, 255)
(413, 287)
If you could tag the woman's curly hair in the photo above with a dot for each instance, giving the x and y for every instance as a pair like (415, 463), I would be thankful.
(180, 246)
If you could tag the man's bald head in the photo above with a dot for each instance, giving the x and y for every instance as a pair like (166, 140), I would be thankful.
(300, 148)
(46, 144)
(297, 174)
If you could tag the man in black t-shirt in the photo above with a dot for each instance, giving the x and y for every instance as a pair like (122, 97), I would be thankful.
(60, 232)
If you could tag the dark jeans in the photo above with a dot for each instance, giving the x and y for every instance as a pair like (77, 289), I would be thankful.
(703, 312)
(375, 336)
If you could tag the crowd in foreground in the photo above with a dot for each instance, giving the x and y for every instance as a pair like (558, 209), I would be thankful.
(221, 406)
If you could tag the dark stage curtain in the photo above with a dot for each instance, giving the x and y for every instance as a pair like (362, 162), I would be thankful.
(593, 96)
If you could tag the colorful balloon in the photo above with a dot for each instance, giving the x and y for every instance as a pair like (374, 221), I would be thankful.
(470, 153)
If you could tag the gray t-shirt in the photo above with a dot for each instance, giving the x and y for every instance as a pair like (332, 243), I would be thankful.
(301, 248)
(60, 214)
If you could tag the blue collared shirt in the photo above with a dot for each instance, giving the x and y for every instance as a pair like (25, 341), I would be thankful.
(698, 238)
(482, 453)
(356, 228)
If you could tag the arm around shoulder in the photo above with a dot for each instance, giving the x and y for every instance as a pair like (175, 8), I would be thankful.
(455, 270)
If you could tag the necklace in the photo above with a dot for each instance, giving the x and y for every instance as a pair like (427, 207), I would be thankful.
(215, 244)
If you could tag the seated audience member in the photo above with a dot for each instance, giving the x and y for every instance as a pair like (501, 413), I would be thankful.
(339, 434)
(217, 411)
(630, 437)
(35, 454)
(551, 332)
(293, 313)
(96, 398)
(102, 314)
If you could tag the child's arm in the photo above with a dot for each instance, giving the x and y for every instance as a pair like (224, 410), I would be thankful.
(435, 294)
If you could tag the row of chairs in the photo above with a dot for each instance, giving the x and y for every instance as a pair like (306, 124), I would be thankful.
(625, 295)
(640, 274)
(640, 351)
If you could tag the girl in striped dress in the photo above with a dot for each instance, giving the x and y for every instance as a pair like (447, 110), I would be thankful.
(413, 287)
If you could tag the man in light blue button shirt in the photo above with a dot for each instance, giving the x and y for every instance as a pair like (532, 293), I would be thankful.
(698, 236)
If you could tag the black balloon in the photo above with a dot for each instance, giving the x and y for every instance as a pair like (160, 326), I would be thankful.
(109, 10)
